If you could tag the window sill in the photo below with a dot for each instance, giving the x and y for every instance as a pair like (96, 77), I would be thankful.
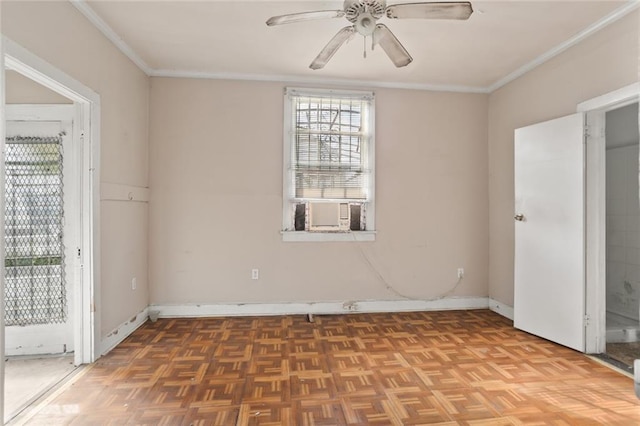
(304, 236)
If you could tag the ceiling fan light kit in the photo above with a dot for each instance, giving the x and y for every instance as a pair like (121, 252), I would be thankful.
(364, 16)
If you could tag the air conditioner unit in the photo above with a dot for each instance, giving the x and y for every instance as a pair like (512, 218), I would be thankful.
(329, 217)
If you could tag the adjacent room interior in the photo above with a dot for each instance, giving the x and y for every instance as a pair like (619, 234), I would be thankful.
(164, 174)
(623, 214)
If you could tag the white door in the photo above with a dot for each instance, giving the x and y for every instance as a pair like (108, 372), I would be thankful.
(39, 230)
(549, 299)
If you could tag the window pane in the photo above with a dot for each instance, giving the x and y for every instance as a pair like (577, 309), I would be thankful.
(328, 147)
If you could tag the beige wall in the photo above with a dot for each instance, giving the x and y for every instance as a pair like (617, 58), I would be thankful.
(22, 90)
(604, 62)
(216, 203)
(58, 33)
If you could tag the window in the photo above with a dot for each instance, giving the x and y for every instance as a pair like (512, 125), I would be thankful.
(328, 165)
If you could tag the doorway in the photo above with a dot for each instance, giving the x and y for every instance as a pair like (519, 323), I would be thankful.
(589, 279)
(622, 235)
(84, 252)
(41, 228)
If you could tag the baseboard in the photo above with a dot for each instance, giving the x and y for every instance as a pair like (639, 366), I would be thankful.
(318, 308)
(121, 332)
(266, 309)
(501, 308)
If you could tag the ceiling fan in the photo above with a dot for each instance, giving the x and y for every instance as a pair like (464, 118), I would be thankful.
(364, 14)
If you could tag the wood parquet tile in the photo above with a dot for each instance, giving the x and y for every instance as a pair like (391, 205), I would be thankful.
(446, 368)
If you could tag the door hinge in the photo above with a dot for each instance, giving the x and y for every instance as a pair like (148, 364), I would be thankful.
(589, 133)
(79, 253)
(586, 320)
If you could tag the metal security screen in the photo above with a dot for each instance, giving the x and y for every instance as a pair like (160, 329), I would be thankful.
(328, 144)
(35, 291)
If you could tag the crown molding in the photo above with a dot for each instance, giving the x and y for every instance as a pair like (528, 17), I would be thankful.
(617, 14)
(317, 81)
(109, 33)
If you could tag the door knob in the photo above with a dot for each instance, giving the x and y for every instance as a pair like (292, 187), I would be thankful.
(519, 217)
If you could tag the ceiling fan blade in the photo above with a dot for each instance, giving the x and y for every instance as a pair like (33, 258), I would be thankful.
(392, 46)
(304, 16)
(332, 47)
(443, 10)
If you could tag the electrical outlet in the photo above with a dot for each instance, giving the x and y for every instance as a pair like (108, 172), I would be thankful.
(255, 274)
(460, 272)
(134, 283)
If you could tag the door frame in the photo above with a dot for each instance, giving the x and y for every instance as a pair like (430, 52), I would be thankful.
(595, 210)
(87, 106)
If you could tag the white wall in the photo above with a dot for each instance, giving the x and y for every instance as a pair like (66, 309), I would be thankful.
(623, 232)
(606, 61)
(59, 34)
(216, 200)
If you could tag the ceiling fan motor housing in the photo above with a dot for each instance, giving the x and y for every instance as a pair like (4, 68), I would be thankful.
(353, 8)
(364, 14)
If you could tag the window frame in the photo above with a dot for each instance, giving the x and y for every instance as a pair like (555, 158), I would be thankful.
(288, 174)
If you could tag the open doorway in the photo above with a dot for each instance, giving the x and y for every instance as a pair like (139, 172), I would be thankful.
(622, 235)
(581, 139)
(49, 324)
(41, 213)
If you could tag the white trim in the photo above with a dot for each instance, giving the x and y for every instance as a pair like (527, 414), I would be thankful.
(32, 340)
(365, 95)
(19, 59)
(87, 323)
(119, 192)
(595, 232)
(612, 100)
(291, 79)
(40, 112)
(501, 308)
(111, 35)
(304, 236)
(121, 332)
(288, 178)
(617, 14)
(91, 240)
(2, 255)
(319, 308)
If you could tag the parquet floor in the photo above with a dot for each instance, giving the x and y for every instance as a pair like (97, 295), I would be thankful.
(452, 367)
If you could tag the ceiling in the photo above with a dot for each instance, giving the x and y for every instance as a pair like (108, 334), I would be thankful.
(229, 39)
